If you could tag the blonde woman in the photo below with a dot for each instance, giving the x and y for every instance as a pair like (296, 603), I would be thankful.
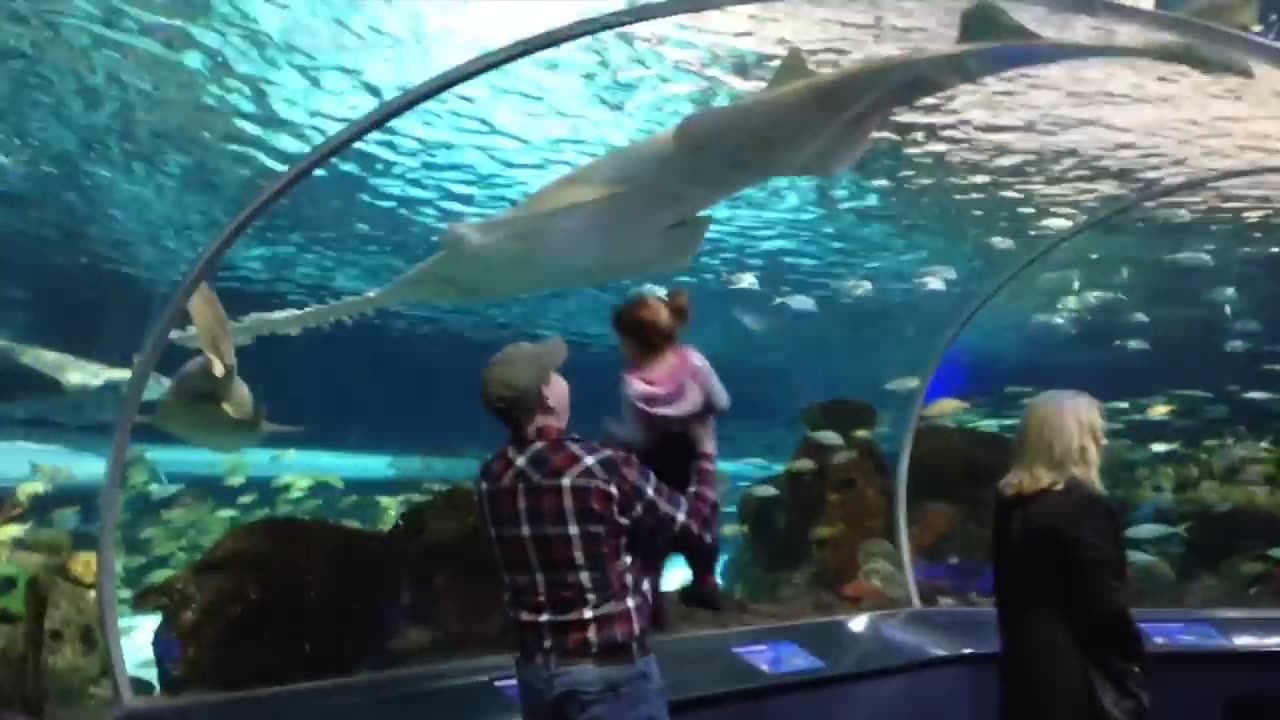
(1071, 649)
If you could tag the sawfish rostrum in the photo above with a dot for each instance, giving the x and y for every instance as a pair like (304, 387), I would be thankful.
(637, 209)
(208, 404)
(55, 387)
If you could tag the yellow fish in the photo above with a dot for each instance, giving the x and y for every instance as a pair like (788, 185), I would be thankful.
(943, 407)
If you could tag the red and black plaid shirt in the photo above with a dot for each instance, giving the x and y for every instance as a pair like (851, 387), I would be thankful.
(558, 510)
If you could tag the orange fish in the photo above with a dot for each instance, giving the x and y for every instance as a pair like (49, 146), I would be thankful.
(860, 590)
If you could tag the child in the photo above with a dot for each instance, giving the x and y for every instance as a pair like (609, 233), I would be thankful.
(670, 395)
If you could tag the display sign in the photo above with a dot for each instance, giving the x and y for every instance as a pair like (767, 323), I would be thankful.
(778, 657)
(1184, 634)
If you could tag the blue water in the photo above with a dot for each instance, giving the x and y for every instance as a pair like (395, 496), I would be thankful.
(137, 130)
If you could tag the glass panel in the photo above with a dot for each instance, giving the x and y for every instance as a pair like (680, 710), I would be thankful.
(818, 300)
(1166, 315)
(73, 309)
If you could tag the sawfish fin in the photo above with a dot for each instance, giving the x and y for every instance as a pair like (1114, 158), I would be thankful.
(292, 321)
(987, 22)
(266, 426)
(792, 69)
(238, 402)
(213, 330)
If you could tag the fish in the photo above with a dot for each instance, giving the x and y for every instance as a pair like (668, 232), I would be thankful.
(903, 384)
(800, 465)
(827, 438)
(208, 404)
(1190, 259)
(799, 303)
(856, 288)
(1152, 531)
(930, 283)
(1137, 557)
(943, 407)
(762, 490)
(638, 209)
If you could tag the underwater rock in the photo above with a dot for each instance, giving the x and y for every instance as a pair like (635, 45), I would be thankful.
(453, 572)
(22, 680)
(959, 466)
(879, 586)
(81, 567)
(842, 416)
(1154, 583)
(1217, 535)
(858, 519)
(76, 665)
(879, 549)
(761, 509)
(53, 661)
(930, 525)
(828, 502)
(280, 600)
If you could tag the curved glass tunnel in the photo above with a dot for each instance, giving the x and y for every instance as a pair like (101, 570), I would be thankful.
(954, 193)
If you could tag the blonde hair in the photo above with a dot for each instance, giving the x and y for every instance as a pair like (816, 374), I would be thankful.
(1060, 438)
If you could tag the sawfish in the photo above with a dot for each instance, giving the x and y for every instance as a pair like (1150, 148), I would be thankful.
(637, 210)
(66, 389)
(208, 404)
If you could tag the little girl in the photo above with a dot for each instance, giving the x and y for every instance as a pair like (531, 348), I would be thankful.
(670, 396)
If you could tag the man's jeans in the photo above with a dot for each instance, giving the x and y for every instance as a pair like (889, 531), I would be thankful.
(557, 691)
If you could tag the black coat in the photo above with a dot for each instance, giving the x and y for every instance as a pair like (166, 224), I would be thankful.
(1060, 600)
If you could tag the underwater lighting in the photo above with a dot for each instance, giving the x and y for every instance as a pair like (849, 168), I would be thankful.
(950, 379)
(859, 623)
(676, 573)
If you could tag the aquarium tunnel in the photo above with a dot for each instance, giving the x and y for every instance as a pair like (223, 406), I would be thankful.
(290, 527)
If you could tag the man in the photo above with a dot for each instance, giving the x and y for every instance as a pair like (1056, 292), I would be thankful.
(558, 509)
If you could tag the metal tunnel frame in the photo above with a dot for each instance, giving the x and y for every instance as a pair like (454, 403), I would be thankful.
(1142, 197)
(390, 110)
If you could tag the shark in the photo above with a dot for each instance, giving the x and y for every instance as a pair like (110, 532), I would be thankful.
(208, 404)
(640, 209)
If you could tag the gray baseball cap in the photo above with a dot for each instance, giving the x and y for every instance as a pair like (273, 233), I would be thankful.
(514, 377)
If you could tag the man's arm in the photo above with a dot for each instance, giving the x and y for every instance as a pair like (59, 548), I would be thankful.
(642, 498)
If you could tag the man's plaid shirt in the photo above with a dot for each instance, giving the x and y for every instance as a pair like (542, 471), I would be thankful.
(558, 509)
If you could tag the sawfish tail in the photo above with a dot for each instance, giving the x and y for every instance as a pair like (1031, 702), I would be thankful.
(1009, 45)
(291, 321)
(1199, 57)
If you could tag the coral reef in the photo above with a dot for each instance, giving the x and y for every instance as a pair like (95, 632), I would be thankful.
(303, 578)
(282, 600)
(52, 657)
